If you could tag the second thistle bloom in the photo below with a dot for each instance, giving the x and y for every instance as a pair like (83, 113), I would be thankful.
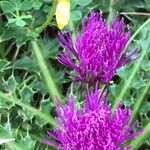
(93, 126)
(98, 52)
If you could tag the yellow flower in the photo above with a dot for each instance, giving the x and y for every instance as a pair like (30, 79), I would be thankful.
(62, 13)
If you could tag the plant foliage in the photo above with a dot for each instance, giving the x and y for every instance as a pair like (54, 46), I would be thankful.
(30, 72)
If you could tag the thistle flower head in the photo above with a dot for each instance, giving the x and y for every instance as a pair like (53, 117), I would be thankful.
(92, 127)
(98, 52)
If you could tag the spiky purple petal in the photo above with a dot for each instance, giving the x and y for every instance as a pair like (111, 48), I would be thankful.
(98, 52)
(93, 126)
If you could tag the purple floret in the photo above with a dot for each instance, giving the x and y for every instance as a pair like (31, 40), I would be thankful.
(93, 126)
(98, 52)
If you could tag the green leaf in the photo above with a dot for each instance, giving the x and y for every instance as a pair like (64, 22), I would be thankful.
(26, 17)
(11, 83)
(37, 4)
(44, 116)
(48, 78)
(84, 2)
(137, 81)
(50, 49)
(135, 144)
(27, 142)
(32, 34)
(144, 46)
(20, 34)
(27, 5)
(4, 132)
(25, 63)
(76, 15)
(16, 3)
(74, 3)
(26, 94)
(3, 141)
(139, 106)
(145, 107)
(147, 3)
(11, 20)
(59, 75)
(7, 7)
(20, 23)
(45, 107)
(3, 64)
(146, 65)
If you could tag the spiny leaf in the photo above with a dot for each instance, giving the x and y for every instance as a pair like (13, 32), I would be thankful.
(144, 45)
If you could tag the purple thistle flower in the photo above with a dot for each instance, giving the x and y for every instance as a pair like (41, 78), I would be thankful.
(98, 52)
(93, 126)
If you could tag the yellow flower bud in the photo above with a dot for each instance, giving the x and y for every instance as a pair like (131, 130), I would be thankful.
(62, 13)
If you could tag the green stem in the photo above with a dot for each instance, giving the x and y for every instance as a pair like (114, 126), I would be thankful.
(136, 32)
(135, 144)
(17, 12)
(50, 17)
(127, 84)
(139, 101)
(45, 71)
(2, 47)
(112, 11)
(135, 13)
(14, 146)
(45, 117)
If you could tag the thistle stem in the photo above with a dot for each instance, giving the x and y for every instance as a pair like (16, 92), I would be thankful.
(135, 13)
(139, 101)
(45, 71)
(111, 11)
(2, 46)
(50, 17)
(135, 144)
(127, 84)
(137, 31)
